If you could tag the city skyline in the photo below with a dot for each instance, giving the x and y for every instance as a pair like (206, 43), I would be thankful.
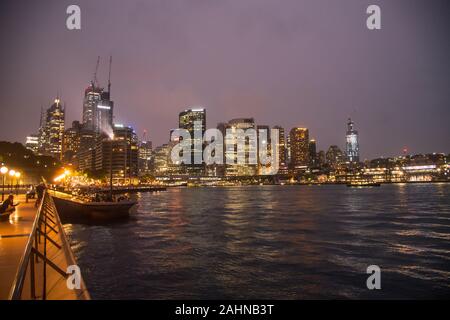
(283, 85)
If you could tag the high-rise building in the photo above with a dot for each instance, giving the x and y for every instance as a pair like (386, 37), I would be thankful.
(352, 144)
(334, 156)
(265, 143)
(97, 110)
(145, 157)
(51, 132)
(312, 152)
(288, 149)
(72, 139)
(98, 107)
(231, 165)
(299, 146)
(321, 158)
(124, 155)
(92, 96)
(32, 143)
(282, 152)
(161, 160)
(187, 120)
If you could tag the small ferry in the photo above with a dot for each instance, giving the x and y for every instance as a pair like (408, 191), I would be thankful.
(363, 184)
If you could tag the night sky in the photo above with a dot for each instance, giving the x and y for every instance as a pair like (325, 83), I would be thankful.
(284, 62)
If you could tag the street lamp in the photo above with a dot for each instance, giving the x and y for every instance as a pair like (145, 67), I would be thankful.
(18, 174)
(12, 173)
(3, 171)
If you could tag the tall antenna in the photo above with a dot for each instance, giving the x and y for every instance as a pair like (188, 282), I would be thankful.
(109, 75)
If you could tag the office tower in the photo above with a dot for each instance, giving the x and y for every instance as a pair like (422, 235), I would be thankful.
(121, 151)
(288, 150)
(321, 158)
(104, 115)
(265, 143)
(145, 157)
(125, 151)
(72, 139)
(92, 97)
(232, 167)
(312, 153)
(98, 107)
(334, 156)
(299, 146)
(51, 132)
(97, 110)
(352, 144)
(282, 152)
(161, 160)
(187, 120)
(32, 143)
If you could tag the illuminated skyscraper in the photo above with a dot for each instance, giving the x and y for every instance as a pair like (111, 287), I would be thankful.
(282, 153)
(72, 138)
(352, 145)
(97, 110)
(124, 155)
(145, 156)
(98, 106)
(334, 156)
(232, 167)
(92, 96)
(187, 120)
(312, 152)
(51, 132)
(299, 146)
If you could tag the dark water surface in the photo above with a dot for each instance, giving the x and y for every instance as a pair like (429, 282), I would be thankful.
(279, 242)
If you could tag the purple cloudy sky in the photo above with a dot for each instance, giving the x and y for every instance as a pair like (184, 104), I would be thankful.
(288, 62)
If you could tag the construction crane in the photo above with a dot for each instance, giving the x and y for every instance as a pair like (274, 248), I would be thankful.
(94, 81)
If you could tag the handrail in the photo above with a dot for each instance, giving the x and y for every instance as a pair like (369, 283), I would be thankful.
(46, 216)
(19, 279)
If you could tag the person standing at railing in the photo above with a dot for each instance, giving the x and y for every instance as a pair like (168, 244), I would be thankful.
(40, 193)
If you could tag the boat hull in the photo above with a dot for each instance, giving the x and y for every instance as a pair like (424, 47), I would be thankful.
(74, 211)
(358, 185)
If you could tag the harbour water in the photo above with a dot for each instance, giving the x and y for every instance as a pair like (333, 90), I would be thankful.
(272, 242)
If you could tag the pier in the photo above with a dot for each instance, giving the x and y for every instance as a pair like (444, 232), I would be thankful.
(35, 254)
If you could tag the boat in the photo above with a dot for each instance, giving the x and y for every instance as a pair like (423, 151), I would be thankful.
(72, 209)
(363, 184)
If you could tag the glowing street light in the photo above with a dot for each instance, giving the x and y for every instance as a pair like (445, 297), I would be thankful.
(3, 171)
(12, 173)
(17, 175)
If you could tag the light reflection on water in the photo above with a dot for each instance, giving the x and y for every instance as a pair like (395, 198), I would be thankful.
(281, 242)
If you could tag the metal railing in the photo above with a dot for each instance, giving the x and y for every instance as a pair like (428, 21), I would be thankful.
(36, 252)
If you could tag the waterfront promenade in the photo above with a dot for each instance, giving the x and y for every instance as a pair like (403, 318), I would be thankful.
(14, 237)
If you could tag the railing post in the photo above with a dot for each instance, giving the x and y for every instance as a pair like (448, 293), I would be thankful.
(32, 278)
(44, 287)
(36, 244)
